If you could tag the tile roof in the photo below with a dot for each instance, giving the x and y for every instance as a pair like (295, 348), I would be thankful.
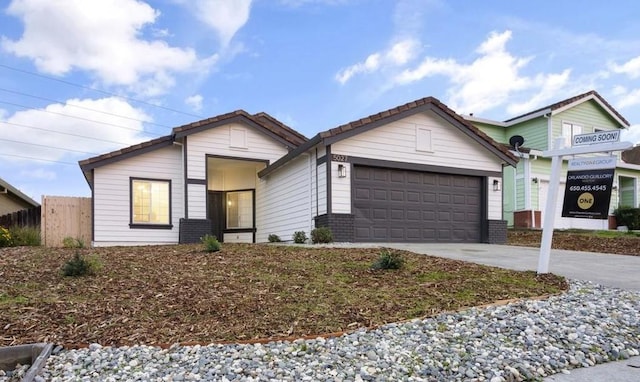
(167, 139)
(569, 101)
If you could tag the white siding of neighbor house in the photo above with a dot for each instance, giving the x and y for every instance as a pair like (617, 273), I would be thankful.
(111, 193)
(283, 201)
(218, 141)
(494, 200)
(397, 141)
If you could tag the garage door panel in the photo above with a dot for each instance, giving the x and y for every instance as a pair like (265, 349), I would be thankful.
(400, 205)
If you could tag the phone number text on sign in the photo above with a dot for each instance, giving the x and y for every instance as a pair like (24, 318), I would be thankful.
(595, 187)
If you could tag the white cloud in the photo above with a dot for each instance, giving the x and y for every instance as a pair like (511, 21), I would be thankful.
(631, 68)
(632, 134)
(627, 98)
(548, 85)
(120, 126)
(398, 54)
(195, 101)
(223, 16)
(488, 81)
(103, 37)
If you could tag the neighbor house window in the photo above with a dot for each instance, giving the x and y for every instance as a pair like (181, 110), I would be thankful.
(150, 202)
(239, 209)
(569, 130)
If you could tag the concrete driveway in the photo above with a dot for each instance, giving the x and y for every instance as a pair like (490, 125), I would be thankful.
(611, 270)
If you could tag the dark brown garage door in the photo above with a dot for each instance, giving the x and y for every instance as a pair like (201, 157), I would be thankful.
(393, 205)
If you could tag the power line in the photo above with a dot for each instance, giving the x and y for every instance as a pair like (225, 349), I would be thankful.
(47, 146)
(63, 133)
(76, 117)
(99, 91)
(38, 159)
(82, 107)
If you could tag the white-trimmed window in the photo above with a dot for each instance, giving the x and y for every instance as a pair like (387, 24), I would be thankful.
(240, 209)
(569, 130)
(150, 202)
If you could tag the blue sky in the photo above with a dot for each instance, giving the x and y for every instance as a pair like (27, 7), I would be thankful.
(84, 77)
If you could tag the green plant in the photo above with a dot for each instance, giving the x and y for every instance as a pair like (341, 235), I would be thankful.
(299, 237)
(70, 242)
(211, 243)
(628, 216)
(5, 237)
(321, 235)
(273, 238)
(388, 260)
(25, 236)
(80, 265)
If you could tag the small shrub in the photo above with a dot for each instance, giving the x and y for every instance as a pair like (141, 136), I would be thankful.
(299, 237)
(211, 243)
(25, 236)
(321, 235)
(628, 216)
(5, 238)
(273, 238)
(70, 242)
(80, 265)
(388, 260)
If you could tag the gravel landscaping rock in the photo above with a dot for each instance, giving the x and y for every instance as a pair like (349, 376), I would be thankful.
(525, 340)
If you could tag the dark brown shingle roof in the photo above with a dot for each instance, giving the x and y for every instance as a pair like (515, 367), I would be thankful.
(569, 101)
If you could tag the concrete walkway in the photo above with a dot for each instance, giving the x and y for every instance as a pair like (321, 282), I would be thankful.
(605, 269)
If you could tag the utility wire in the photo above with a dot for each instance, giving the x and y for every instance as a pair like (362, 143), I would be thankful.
(99, 91)
(82, 107)
(63, 133)
(47, 146)
(76, 117)
(39, 159)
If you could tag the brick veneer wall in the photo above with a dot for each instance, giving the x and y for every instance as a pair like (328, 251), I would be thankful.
(497, 232)
(191, 230)
(341, 226)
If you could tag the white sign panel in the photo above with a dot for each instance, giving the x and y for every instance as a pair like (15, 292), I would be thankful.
(595, 138)
(592, 163)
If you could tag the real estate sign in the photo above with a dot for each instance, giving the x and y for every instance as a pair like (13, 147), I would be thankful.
(588, 189)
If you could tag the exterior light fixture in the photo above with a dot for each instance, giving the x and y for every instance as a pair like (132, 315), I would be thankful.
(496, 185)
(342, 171)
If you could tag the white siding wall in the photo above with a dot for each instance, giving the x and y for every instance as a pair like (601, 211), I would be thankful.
(111, 198)
(340, 190)
(322, 188)
(397, 141)
(495, 200)
(197, 197)
(284, 201)
(217, 141)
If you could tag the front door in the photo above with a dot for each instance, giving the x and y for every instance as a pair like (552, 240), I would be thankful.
(216, 213)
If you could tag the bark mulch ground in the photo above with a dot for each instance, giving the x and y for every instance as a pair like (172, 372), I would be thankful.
(167, 294)
(604, 242)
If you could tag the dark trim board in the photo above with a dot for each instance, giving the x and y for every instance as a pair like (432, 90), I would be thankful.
(321, 160)
(484, 210)
(329, 206)
(421, 167)
(184, 174)
(202, 182)
(265, 161)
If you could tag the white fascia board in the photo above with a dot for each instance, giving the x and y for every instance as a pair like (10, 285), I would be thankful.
(594, 98)
(471, 118)
(527, 117)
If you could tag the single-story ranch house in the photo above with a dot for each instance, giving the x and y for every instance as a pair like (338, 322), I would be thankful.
(418, 172)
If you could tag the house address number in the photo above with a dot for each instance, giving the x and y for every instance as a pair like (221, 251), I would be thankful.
(339, 158)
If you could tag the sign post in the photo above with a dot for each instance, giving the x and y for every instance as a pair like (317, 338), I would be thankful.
(587, 144)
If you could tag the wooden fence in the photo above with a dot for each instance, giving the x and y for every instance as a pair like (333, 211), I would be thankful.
(65, 217)
(24, 218)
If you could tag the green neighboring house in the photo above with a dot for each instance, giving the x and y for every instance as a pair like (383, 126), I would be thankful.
(525, 187)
